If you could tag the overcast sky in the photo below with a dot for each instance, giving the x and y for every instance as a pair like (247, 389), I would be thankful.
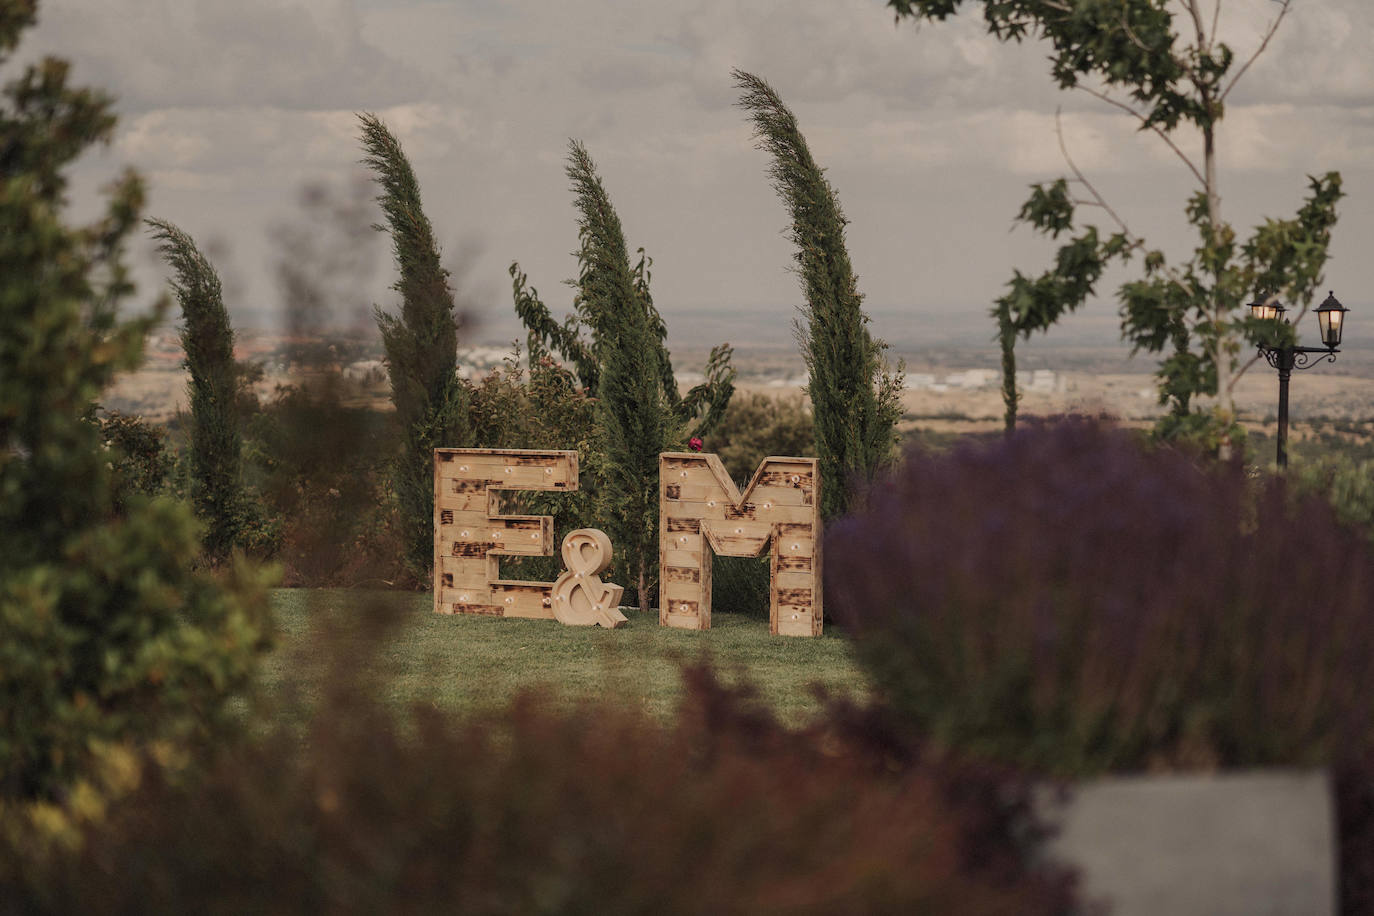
(930, 135)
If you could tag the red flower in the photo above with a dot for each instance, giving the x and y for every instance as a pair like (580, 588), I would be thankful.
(694, 444)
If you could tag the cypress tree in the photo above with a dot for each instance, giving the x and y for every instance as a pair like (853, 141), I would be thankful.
(216, 440)
(634, 421)
(421, 344)
(616, 341)
(856, 401)
(108, 636)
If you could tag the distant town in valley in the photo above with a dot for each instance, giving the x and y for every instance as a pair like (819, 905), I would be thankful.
(951, 369)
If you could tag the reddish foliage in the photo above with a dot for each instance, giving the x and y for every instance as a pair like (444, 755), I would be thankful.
(601, 811)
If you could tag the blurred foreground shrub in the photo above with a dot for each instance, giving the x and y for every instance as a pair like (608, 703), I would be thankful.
(532, 811)
(108, 635)
(1346, 483)
(322, 460)
(1072, 601)
(140, 461)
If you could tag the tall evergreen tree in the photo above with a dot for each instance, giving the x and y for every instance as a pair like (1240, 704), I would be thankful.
(634, 423)
(216, 440)
(856, 401)
(107, 634)
(617, 342)
(421, 345)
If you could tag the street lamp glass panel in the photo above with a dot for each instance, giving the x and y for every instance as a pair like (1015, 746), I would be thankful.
(1267, 310)
(1331, 318)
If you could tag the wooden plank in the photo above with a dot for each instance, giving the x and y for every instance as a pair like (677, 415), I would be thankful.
(685, 543)
(522, 478)
(473, 501)
(686, 492)
(527, 611)
(698, 477)
(436, 582)
(681, 558)
(796, 626)
(688, 605)
(682, 621)
(681, 574)
(705, 510)
(522, 599)
(778, 475)
(785, 580)
(476, 596)
(680, 590)
(464, 572)
(738, 529)
(779, 507)
(735, 544)
(463, 519)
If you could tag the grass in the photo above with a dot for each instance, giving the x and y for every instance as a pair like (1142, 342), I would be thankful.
(465, 664)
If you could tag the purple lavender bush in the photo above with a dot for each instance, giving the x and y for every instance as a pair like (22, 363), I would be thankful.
(1072, 600)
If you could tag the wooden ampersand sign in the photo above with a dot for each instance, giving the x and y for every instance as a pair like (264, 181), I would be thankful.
(581, 599)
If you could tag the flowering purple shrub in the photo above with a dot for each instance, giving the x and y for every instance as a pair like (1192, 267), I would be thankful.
(1074, 601)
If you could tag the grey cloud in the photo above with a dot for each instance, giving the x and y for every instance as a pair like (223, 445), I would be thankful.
(931, 134)
(180, 53)
(1323, 54)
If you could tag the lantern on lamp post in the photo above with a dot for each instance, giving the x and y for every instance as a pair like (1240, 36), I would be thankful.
(1331, 321)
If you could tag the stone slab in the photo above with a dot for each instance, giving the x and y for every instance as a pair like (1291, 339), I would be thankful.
(1246, 844)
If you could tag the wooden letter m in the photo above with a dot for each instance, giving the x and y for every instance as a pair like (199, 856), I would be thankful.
(701, 510)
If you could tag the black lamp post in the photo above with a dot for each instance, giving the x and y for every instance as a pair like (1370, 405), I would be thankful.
(1331, 320)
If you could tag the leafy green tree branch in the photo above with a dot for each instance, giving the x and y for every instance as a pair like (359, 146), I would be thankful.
(1164, 65)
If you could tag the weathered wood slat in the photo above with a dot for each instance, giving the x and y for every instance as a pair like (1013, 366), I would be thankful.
(469, 573)
(687, 558)
(522, 599)
(788, 580)
(681, 574)
(468, 501)
(459, 595)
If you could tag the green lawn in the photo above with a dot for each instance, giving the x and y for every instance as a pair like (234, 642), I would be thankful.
(472, 663)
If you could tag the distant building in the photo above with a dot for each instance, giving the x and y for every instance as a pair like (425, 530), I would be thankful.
(1042, 381)
(918, 381)
(367, 370)
(971, 379)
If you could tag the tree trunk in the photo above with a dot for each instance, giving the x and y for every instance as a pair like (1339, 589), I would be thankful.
(1222, 339)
